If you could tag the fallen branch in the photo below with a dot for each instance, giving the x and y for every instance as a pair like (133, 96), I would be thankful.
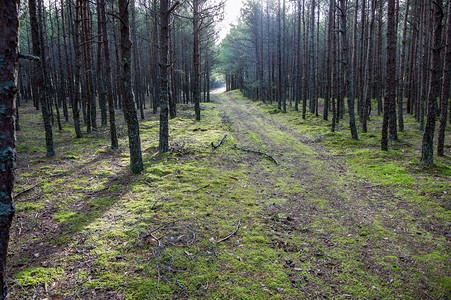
(201, 188)
(156, 239)
(35, 185)
(28, 189)
(233, 233)
(149, 184)
(219, 144)
(259, 152)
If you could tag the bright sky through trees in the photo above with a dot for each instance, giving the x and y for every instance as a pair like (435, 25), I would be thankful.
(231, 14)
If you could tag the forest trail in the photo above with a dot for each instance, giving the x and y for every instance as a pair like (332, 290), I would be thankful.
(341, 224)
(318, 224)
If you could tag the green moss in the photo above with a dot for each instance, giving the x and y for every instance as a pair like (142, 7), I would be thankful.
(148, 289)
(38, 276)
(303, 210)
(434, 256)
(68, 218)
(30, 149)
(100, 151)
(376, 166)
(29, 206)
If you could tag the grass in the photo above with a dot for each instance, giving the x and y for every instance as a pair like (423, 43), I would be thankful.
(337, 218)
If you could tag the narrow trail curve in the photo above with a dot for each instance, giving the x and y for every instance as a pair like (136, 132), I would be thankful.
(325, 219)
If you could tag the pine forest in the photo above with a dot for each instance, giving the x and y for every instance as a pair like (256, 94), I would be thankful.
(225, 149)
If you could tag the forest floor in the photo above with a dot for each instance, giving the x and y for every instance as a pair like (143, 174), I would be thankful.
(334, 218)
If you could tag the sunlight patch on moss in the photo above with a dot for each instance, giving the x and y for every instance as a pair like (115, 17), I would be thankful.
(38, 276)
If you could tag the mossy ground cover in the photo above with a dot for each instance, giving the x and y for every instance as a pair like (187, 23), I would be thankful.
(336, 218)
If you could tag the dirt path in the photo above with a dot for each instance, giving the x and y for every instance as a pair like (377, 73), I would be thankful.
(310, 227)
(341, 235)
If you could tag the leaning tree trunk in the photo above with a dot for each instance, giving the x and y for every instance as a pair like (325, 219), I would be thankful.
(9, 51)
(427, 153)
(134, 141)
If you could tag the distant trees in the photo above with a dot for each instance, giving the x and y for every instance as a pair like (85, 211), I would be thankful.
(40, 73)
(352, 56)
(9, 57)
(97, 59)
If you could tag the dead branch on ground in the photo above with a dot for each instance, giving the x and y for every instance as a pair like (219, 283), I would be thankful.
(233, 233)
(219, 144)
(259, 152)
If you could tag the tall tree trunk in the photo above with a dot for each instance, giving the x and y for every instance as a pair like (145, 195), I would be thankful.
(68, 56)
(368, 70)
(77, 63)
(172, 98)
(52, 73)
(446, 89)
(354, 54)
(62, 76)
(136, 65)
(333, 59)
(155, 60)
(9, 51)
(101, 89)
(427, 153)
(279, 57)
(196, 58)
(108, 79)
(298, 59)
(379, 77)
(90, 95)
(312, 87)
(328, 63)
(304, 64)
(134, 141)
(350, 86)
(392, 123)
(390, 89)
(164, 97)
(402, 63)
(40, 78)
(284, 86)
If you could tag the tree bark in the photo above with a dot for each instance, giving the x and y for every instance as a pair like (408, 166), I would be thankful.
(77, 63)
(390, 92)
(446, 90)
(401, 70)
(350, 86)
(9, 51)
(108, 79)
(164, 97)
(40, 78)
(366, 97)
(427, 153)
(196, 58)
(134, 141)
